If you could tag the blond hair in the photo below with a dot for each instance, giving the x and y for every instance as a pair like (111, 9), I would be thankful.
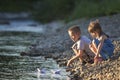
(94, 26)
(74, 29)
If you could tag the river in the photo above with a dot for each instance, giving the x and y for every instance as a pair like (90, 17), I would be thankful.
(17, 37)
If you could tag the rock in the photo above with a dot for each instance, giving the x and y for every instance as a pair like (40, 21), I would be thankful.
(57, 45)
(23, 53)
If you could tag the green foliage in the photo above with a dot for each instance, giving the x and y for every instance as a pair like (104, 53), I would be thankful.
(15, 5)
(53, 9)
(48, 10)
(93, 8)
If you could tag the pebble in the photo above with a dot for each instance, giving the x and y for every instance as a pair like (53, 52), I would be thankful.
(60, 43)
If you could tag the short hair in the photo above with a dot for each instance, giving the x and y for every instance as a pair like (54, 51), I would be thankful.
(94, 26)
(74, 29)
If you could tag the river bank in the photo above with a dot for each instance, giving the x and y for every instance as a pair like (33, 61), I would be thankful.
(56, 44)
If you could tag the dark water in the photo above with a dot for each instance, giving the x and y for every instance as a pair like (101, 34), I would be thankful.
(16, 67)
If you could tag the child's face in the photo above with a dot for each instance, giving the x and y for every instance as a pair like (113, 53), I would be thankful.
(93, 34)
(74, 36)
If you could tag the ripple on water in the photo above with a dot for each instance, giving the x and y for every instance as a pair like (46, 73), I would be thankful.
(13, 66)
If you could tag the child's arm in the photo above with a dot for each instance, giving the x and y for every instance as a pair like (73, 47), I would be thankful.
(75, 51)
(93, 47)
(78, 55)
(100, 45)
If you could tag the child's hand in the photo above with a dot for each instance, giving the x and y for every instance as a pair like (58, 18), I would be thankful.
(97, 59)
(96, 56)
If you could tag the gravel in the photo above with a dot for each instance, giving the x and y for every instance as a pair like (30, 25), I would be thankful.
(56, 44)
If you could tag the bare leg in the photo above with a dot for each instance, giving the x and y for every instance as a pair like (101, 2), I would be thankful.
(93, 48)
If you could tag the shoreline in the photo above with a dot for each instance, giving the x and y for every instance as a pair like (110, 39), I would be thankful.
(56, 45)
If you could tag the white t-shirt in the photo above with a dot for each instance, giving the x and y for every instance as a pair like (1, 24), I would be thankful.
(83, 44)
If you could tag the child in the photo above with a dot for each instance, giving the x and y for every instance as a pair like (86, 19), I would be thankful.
(101, 45)
(80, 47)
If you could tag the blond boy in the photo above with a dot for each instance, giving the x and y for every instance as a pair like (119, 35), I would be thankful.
(80, 47)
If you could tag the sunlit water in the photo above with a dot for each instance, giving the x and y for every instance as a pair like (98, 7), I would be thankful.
(15, 38)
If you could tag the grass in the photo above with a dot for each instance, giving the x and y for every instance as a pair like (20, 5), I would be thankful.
(88, 9)
(50, 10)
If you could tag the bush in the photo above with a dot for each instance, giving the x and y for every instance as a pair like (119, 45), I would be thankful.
(93, 8)
(49, 10)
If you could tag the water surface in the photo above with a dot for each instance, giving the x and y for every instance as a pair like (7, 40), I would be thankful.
(15, 38)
